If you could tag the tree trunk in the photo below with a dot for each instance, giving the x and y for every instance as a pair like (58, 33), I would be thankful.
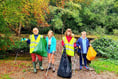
(19, 30)
(63, 28)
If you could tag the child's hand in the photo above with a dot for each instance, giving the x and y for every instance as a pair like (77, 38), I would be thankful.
(53, 52)
(79, 47)
(24, 39)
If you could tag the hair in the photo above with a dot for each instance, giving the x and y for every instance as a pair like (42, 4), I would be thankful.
(73, 35)
(35, 28)
(51, 32)
(67, 31)
(83, 32)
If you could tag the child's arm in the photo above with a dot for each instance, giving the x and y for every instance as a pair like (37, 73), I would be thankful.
(54, 43)
(28, 41)
(62, 43)
(77, 43)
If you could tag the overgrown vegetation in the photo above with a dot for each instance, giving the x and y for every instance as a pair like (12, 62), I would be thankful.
(78, 15)
(17, 46)
(106, 47)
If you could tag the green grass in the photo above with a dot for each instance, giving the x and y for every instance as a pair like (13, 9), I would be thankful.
(101, 65)
(6, 76)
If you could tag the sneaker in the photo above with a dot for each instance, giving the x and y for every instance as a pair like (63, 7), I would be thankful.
(80, 67)
(49, 66)
(53, 68)
(86, 67)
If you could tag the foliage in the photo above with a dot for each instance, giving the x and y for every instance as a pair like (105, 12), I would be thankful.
(106, 48)
(20, 13)
(85, 15)
(79, 15)
(115, 31)
(12, 14)
(101, 65)
(100, 13)
(18, 46)
(66, 17)
(4, 40)
(38, 9)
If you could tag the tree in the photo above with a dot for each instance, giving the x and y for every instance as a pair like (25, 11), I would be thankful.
(19, 13)
(67, 17)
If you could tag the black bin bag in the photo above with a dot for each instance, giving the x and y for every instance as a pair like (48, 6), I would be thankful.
(64, 69)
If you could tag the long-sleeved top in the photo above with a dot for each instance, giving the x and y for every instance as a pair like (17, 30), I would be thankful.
(84, 44)
(52, 44)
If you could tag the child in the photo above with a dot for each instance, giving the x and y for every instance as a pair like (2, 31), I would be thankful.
(51, 48)
(83, 44)
(33, 41)
(69, 42)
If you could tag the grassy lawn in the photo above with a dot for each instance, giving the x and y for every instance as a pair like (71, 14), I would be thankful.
(101, 65)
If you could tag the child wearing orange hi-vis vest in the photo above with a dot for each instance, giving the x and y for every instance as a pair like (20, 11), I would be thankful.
(69, 42)
(33, 41)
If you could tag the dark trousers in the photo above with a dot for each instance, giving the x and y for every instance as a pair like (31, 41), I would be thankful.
(85, 60)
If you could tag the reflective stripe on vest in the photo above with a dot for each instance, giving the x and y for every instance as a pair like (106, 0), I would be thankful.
(33, 42)
(69, 46)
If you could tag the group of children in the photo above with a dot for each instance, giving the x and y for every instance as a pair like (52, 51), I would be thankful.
(68, 41)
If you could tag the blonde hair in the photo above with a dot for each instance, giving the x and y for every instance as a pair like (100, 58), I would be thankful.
(83, 32)
(73, 35)
(51, 32)
(67, 31)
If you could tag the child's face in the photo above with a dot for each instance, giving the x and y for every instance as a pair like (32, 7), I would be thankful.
(50, 34)
(83, 34)
(68, 33)
(35, 31)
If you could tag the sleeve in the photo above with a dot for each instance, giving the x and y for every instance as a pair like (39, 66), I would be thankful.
(28, 41)
(46, 40)
(54, 44)
(62, 43)
(74, 42)
(77, 43)
(88, 43)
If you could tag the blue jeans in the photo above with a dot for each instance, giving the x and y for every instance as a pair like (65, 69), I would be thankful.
(85, 60)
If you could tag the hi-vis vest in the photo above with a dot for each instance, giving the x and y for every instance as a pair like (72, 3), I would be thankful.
(33, 42)
(69, 46)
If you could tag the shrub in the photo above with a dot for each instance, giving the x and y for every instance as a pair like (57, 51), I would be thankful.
(106, 48)
(4, 45)
(115, 32)
(18, 46)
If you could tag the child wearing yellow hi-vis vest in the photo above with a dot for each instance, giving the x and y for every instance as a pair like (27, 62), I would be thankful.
(33, 41)
(69, 42)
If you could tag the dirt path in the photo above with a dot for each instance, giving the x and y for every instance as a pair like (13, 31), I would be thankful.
(23, 69)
